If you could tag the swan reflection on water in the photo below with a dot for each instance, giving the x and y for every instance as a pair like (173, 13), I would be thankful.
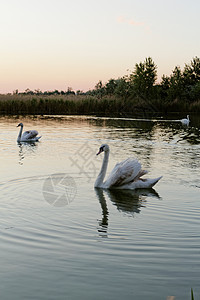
(26, 149)
(127, 201)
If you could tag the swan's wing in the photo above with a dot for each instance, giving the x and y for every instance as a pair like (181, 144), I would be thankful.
(142, 183)
(30, 134)
(25, 134)
(124, 172)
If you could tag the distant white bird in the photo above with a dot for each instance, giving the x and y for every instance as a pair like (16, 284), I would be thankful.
(185, 121)
(27, 136)
(125, 175)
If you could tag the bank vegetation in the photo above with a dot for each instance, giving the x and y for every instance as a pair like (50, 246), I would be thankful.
(135, 94)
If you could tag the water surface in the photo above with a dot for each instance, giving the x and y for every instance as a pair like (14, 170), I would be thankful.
(63, 239)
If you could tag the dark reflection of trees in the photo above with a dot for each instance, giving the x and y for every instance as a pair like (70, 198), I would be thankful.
(26, 149)
(191, 135)
(137, 125)
(146, 128)
(175, 130)
(132, 128)
(127, 201)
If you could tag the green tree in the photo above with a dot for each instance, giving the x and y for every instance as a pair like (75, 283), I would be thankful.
(143, 78)
(191, 79)
(70, 91)
(122, 88)
(176, 90)
(110, 87)
(99, 89)
(191, 73)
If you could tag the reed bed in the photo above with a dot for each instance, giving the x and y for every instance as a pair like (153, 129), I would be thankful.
(90, 105)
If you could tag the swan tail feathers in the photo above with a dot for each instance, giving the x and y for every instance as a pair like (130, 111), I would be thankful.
(152, 182)
(146, 183)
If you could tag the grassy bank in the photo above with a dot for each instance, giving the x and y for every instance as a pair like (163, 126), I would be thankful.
(88, 105)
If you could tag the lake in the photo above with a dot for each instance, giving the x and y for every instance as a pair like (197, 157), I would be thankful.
(63, 239)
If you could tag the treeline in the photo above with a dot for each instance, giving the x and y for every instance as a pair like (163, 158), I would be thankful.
(38, 92)
(141, 83)
(133, 94)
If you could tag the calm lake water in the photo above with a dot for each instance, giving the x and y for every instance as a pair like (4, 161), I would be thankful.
(62, 239)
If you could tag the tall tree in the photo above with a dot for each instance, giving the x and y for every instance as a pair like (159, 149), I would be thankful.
(191, 73)
(144, 77)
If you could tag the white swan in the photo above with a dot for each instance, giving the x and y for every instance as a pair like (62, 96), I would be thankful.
(27, 136)
(185, 121)
(125, 175)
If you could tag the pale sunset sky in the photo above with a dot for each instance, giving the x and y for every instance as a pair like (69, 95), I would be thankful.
(48, 45)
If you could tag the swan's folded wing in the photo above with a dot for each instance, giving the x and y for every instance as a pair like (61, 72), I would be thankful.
(123, 172)
(31, 134)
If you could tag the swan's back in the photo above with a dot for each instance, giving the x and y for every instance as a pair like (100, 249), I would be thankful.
(30, 134)
(123, 173)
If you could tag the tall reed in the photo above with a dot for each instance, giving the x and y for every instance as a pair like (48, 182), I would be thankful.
(84, 104)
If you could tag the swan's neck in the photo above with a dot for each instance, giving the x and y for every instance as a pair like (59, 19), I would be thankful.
(102, 173)
(20, 134)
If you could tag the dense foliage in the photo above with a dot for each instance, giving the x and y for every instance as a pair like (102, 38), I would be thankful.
(131, 94)
(180, 85)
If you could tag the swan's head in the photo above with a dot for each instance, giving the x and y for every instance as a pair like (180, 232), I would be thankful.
(103, 148)
(20, 124)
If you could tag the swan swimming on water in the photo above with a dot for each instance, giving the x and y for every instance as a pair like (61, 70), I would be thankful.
(27, 136)
(185, 121)
(125, 175)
